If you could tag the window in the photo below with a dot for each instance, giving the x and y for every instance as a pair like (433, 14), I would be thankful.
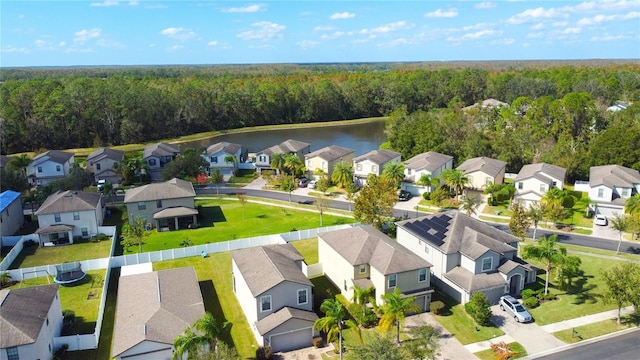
(265, 303)
(324, 164)
(359, 167)
(543, 187)
(47, 321)
(554, 184)
(152, 162)
(142, 205)
(374, 169)
(302, 296)
(363, 269)
(56, 217)
(345, 285)
(487, 180)
(409, 172)
(76, 215)
(520, 185)
(422, 275)
(158, 204)
(600, 193)
(214, 159)
(12, 353)
(58, 168)
(426, 249)
(487, 263)
(39, 169)
(393, 280)
(98, 166)
(85, 231)
(625, 192)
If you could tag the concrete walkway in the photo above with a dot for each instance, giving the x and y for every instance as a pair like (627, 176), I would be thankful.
(587, 319)
(450, 347)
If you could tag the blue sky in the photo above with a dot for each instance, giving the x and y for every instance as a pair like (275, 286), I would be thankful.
(68, 33)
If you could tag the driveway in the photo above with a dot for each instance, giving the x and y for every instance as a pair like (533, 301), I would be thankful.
(450, 347)
(605, 232)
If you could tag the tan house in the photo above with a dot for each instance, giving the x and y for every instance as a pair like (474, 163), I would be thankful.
(103, 162)
(610, 186)
(429, 163)
(483, 171)
(166, 206)
(290, 146)
(275, 295)
(325, 159)
(534, 180)
(372, 162)
(158, 155)
(152, 309)
(364, 256)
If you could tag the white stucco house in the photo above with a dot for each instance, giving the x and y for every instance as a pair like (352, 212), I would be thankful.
(66, 214)
(325, 159)
(275, 295)
(11, 215)
(534, 180)
(50, 166)
(103, 162)
(290, 146)
(156, 156)
(365, 257)
(372, 162)
(483, 171)
(429, 163)
(610, 186)
(467, 255)
(218, 154)
(30, 318)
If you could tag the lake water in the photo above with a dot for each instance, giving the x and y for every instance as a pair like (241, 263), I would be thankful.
(360, 137)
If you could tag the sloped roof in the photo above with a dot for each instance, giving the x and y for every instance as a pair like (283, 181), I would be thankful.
(105, 153)
(175, 211)
(69, 201)
(227, 147)
(489, 166)
(429, 161)
(454, 232)
(379, 156)
(52, 229)
(368, 245)
(541, 171)
(23, 312)
(488, 103)
(474, 282)
(613, 176)
(283, 315)
(7, 197)
(172, 189)
(56, 156)
(285, 147)
(330, 153)
(264, 267)
(161, 149)
(155, 306)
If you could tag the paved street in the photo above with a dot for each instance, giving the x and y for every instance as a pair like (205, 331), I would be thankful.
(621, 346)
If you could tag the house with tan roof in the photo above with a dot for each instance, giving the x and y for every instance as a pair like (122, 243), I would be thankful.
(152, 309)
(482, 172)
(275, 295)
(429, 163)
(467, 255)
(30, 319)
(102, 164)
(169, 205)
(534, 180)
(365, 257)
(610, 186)
(325, 159)
(290, 146)
(158, 155)
(218, 156)
(50, 166)
(68, 214)
(372, 162)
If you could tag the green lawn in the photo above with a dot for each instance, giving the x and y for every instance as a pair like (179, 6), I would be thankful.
(591, 330)
(243, 178)
(456, 320)
(489, 354)
(308, 249)
(503, 208)
(79, 250)
(494, 219)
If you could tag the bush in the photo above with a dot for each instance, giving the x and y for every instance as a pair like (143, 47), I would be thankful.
(437, 307)
(478, 308)
(527, 293)
(264, 353)
(531, 302)
(426, 195)
(366, 318)
(546, 297)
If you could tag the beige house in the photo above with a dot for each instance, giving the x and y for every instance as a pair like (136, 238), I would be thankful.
(166, 206)
(152, 309)
(102, 164)
(275, 295)
(482, 172)
(467, 255)
(325, 159)
(50, 166)
(610, 186)
(158, 155)
(429, 163)
(290, 146)
(364, 256)
(534, 180)
(372, 162)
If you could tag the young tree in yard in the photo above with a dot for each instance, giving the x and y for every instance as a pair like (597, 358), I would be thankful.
(321, 204)
(377, 346)
(424, 342)
(568, 269)
(519, 222)
(351, 189)
(438, 196)
(288, 185)
(622, 284)
(470, 205)
(191, 342)
(375, 202)
(536, 214)
(547, 252)
(211, 330)
(361, 295)
(395, 309)
(5, 279)
(619, 223)
(323, 183)
(187, 342)
(554, 211)
(342, 174)
(216, 179)
(478, 308)
(134, 233)
(242, 199)
(395, 172)
(223, 352)
(333, 321)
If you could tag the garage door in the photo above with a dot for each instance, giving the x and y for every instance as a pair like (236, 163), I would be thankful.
(291, 341)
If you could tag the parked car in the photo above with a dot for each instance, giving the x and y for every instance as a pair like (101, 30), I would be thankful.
(101, 184)
(600, 220)
(404, 195)
(303, 182)
(312, 184)
(509, 304)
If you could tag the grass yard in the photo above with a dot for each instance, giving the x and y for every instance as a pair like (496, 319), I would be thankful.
(501, 209)
(592, 330)
(224, 220)
(79, 250)
(490, 354)
(243, 178)
(308, 249)
(494, 219)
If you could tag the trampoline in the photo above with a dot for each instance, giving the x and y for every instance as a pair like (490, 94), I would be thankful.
(68, 273)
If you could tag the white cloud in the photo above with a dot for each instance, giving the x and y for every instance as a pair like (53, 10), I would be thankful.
(174, 47)
(333, 35)
(598, 19)
(342, 15)
(536, 14)
(450, 13)
(13, 49)
(109, 43)
(85, 35)
(307, 44)
(179, 33)
(560, 23)
(263, 30)
(571, 30)
(212, 43)
(394, 26)
(538, 26)
(607, 37)
(245, 9)
(324, 28)
(479, 34)
(479, 26)
(62, 43)
(507, 41)
(485, 5)
(534, 35)
(105, 3)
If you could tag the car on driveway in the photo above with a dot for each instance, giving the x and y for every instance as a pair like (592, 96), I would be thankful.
(312, 184)
(404, 195)
(600, 220)
(303, 182)
(509, 304)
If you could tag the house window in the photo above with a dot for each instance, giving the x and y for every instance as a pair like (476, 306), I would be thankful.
(56, 217)
(324, 165)
(345, 285)
(142, 205)
(262, 158)
(393, 281)
(152, 162)
(363, 269)
(47, 321)
(543, 187)
(158, 204)
(600, 193)
(12, 353)
(422, 275)
(265, 303)
(374, 169)
(625, 192)
(214, 159)
(302, 296)
(487, 180)
(487, 263)
(76, 215)
(85, 232)
(98, 166)
(520, 185)
(409, 172)
(359, 167)
(58, 168)
(39, 169)
(554, 184)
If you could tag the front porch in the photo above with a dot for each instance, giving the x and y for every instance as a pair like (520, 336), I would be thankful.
(53, 235)
(176, 218)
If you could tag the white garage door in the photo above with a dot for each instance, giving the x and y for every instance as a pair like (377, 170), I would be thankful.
(291, 341)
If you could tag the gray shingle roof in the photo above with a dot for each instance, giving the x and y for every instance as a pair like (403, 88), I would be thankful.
(161, 149)
(69, 201)
(264, 267)
(155, 306)
(105, 153)
(379, 156)
(172, 189)
(489, 166)
(367, 245)
(285, 147)
(23, 312)
(56, 156)
(474, 282)
(429, 161)
(227, 147)
(330, 153)
(175, 211)
(540, 172)
(283, 315)
(613, 176)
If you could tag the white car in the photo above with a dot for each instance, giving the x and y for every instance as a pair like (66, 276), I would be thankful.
(312, 184)
(101, 184)
(512, 306)
(600, 220)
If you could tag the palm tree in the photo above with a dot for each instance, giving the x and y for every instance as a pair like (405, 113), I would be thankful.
(428, 180)
(361, 295)
(455, 179)
(20, 162)
(621, 224)
(632, 205)
(493, 190)
(333, 321)
(277, 161)
(188, 342)
(342, 174)
(470, 205)
(395, 309)
(210, 328)
(395, 172)
(293, 163)
(547, 252)
(536, 214)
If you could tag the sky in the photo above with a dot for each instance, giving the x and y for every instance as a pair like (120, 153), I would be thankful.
(139, 32)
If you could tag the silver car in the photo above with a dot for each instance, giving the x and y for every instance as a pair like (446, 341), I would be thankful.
(509, 304)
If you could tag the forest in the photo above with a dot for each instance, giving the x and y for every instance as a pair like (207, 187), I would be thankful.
(557, 111)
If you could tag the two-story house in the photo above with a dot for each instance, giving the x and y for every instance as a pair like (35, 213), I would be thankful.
(169, 205)
(67, 214)
(534, 180)
(275, 295)
(611, 185)
(102, 164)
(372, 162)
(50, 166)
(429, 163)
(153, 308)
(290, 146)
(224, 156)
(467, 255)
(11, 215)
(30, 318)
(325, 159)
(482, 172)
(156, 156)
(365, 257)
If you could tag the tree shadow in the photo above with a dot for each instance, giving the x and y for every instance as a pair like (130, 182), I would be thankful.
(212, 305)
(586, 295)
(208, 215)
